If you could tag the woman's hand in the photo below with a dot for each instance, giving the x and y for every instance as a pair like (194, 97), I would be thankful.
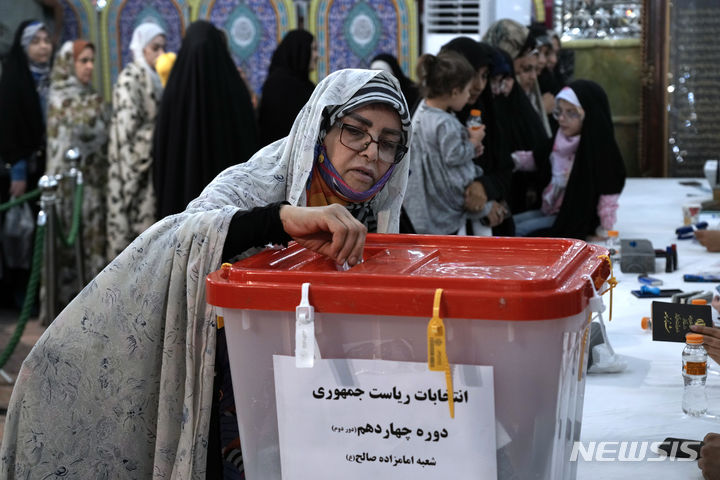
(709, 461)
(475, 197)
(330, 230)
(716, 303)
(497, 214)
(709, 239)
(711, 340)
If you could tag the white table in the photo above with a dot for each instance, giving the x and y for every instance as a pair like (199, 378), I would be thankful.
(643, 403)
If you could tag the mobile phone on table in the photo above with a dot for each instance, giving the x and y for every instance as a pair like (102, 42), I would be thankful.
(681, 447)
(660, 293)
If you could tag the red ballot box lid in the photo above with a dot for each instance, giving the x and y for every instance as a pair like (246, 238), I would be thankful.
(493, 278)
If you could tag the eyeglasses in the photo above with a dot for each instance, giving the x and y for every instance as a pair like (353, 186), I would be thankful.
(358, 140)
(568, 114)
(498, 85)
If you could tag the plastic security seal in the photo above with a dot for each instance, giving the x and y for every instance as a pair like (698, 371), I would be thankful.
(595, 303)
(437, 349)
(305, 331)
(605, 360)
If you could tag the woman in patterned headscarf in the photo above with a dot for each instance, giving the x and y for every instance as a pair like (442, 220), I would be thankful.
(130, 197)
(121, 383)
(77, 118)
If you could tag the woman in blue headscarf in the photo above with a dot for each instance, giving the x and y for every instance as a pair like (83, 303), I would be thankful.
(23, 98)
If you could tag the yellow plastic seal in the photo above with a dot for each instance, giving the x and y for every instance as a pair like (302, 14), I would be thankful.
(437, 349)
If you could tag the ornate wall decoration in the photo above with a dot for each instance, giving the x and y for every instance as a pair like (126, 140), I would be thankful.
(254, 28)
(350, 33)
(76, 23)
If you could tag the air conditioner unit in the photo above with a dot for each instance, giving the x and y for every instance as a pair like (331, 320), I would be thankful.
(444, 20)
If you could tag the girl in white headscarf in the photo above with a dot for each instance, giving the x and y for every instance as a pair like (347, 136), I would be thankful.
(121, 383)
(130, 198)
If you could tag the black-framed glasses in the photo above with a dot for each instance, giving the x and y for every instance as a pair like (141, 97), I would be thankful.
(498, 85)
(358, 140)
(569, 114)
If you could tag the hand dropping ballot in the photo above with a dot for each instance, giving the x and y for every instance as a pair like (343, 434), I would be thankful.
(351, 419)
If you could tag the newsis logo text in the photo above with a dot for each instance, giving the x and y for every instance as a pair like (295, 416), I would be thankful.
(619, 451)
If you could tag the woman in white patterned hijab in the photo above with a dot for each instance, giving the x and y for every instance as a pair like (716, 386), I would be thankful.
(120, 385)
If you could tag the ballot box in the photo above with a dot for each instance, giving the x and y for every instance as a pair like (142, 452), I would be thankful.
(515, 314)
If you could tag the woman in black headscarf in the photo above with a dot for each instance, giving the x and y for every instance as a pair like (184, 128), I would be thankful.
(525, 138)
(23, 95)
(287, 87)
(205, 123)
(388, 62)
(494, 185)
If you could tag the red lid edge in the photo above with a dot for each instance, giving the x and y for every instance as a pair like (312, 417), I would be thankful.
(417, 302)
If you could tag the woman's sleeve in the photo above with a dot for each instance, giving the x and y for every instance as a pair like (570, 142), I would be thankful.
(18, 171)
(255, 228)
(524, 160)
(607, 210)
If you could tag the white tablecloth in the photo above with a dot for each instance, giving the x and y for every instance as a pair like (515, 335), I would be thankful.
(643, 403)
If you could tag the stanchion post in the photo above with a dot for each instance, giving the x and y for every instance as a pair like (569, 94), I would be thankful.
(72, 156)
(48, 198)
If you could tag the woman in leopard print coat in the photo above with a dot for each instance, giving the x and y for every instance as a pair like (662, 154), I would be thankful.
(131, 200)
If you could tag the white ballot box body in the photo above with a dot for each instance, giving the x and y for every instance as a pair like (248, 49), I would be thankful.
(522, 306)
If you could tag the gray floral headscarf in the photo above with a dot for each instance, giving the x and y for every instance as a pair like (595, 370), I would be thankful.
(508, 35)
(120, 384)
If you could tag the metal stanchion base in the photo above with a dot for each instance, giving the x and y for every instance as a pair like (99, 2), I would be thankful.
(6, 377)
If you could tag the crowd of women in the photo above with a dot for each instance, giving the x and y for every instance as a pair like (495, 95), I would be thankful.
(137, 352)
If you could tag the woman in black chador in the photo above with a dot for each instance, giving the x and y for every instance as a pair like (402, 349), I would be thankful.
(24, 89)
(288, 86)
(206, 121)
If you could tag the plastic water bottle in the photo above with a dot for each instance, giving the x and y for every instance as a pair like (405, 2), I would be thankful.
(694, 370)
(474, 120)
(613, 244)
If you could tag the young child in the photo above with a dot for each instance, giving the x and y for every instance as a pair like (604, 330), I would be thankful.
(442, 149)
(587, 170)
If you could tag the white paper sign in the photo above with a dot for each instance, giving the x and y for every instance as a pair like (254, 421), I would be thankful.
(360, 419)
